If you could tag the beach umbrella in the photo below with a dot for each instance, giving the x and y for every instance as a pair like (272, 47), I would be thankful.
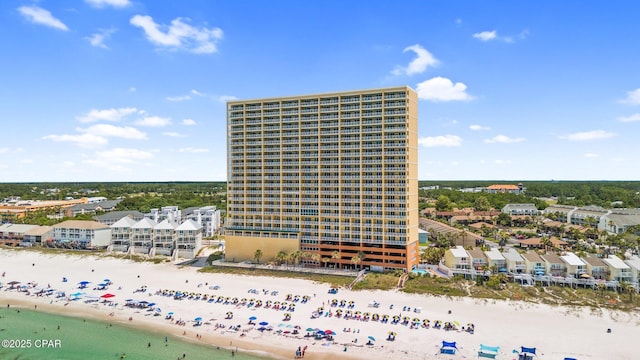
(158, 310)
(372, 338)
(106, 296)
(170, 313)
(281, 325)
(289, 326)
(310, 329)
(151, 304)
(264, 323)
(328, 332)
(252, 318)
(198, 319)
(106, 280)
(102, 284)
(457, 323)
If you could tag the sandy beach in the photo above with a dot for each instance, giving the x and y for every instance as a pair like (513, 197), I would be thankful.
(556, 332)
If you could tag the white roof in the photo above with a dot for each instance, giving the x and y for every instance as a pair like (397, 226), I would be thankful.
(17, 228)
(422, 231)
(459, 252)
(634, 262)
(512, 255)
(189, 225)
(573, 259)
(145, 223)
(164, 225)
(124, 222)
(615, 262)
(494, 255)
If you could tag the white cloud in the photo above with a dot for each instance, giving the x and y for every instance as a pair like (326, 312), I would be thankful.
(440, 141)
(98, 38)
(503, 139)
(476, 127)
(26, 161)
(179, 35)
(197, 93)
(124, 155)
(458, 21)
(442, 89)
(419, 64)
(104, 3)
(84, 140)
(68, 164)
(588, 135)
(486, 35)
(116, 159)
(38, 15)
(108, 114)
(108, 130)
(493, 35)
(193, 150)
(633, 97)
(4, 150)
(153, 121)
(502, 162)
(174, 134)
(632, 118)
(225, 98)
(188, 122)
(590, 155)
(179, 98)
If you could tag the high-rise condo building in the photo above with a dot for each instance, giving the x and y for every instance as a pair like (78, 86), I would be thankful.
(333, 177)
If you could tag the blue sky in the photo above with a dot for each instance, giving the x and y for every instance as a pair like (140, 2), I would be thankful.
(126, 90)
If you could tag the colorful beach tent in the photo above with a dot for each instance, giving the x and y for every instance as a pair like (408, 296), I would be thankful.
(448, 348)
(488, 351)
(528, 350)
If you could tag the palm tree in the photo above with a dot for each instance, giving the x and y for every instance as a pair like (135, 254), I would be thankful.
(257, 255)
(626, 287)
(362, 256)
(325, 260)
(356, 260)
(282, 257)
(336, 256)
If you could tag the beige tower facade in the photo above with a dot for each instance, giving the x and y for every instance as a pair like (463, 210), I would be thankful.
(333, 176)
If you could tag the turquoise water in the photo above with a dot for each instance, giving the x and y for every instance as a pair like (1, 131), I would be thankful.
(419, 271)
(81, 339)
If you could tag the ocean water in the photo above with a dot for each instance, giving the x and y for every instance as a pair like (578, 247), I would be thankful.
(31, 335)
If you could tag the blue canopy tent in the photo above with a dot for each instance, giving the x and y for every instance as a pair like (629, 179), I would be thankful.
(448, 348)
(526, 353)
(488, 351)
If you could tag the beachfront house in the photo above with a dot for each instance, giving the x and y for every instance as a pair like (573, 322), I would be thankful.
(164, 238)
(514, 261)
(457, 258)
(634, 265)
(121, 234)
(575, 266)
(142, 236)
(596, 268)
(534, 265)
(207, 216)
(188, 239)
(495, 260)
(36, 236)
(617, 221)
(478, 259)
(81, 234)
(171, 213)
(13, 234)
(554, 265)
(619, 271)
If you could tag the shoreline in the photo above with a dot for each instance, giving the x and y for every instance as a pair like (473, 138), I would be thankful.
(508, 324)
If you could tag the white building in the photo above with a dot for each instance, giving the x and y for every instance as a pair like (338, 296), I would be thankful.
(142, 236)
(515, 262)
(634, 265)
(619, 270)
(207, 216)
(495, 260)
(188, 239)
(575, 266)
(121, 234)
(164, 238)
(81, 234)
(170, 213)
(520, 209)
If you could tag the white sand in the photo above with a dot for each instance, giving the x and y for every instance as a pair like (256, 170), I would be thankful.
(556, 332)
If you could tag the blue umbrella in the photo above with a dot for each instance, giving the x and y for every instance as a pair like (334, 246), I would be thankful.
(372, 338)
(252, 318)
(84, 282)
(103, 284)
(151, 304)
(198, 319)
(170, 313)
(264, 323)
(106, 280)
